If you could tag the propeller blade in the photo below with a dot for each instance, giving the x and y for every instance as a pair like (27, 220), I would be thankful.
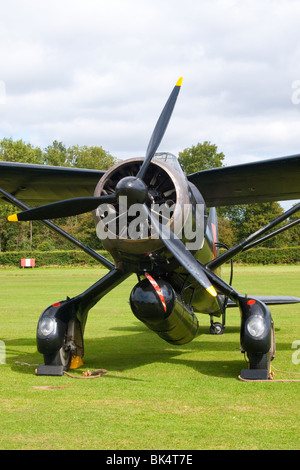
(179, 251)
(160, 129)
(64, 208)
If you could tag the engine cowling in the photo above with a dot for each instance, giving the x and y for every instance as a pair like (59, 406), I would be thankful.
(122, 229)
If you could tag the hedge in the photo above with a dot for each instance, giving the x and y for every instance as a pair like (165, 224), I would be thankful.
(290, 255)
(51, 258)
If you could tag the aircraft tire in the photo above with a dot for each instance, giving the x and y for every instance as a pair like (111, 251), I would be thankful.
(61, 357)
(216, 328)
(259, 360)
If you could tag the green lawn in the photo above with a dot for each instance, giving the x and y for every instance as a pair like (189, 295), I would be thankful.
(154, 396)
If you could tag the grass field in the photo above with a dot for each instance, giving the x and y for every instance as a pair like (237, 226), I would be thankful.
(154, 396)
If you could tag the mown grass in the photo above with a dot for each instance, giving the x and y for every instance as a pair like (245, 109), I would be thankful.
(154, 396)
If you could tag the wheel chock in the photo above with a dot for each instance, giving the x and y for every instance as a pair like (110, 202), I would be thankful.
(76, 362)
(254, 374)
(49, 370)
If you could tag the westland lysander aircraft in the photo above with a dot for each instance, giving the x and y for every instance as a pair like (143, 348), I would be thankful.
(160, 224)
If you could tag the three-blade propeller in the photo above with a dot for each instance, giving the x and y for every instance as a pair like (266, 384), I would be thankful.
(136, 191)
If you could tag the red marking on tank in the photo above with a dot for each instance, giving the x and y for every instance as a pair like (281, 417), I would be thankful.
(57, 304)
(158, 290)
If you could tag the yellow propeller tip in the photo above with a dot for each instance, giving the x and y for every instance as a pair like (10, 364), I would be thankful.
(179, 83)
(12, 218)
(212, 291)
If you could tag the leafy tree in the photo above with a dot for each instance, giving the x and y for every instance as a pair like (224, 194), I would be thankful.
(200, 157)
(18, 151)
(56, 155)
(94, 158)
(248, 218)
(293, 234)
(16, 236)
(13, 237)
(226, 231)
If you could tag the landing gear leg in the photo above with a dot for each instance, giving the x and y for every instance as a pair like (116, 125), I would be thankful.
(61, 326)
(217, 328)
(71, 351)
(263, 360)
(257, 338)
(61, 357)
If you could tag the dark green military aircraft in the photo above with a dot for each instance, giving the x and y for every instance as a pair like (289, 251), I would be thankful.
(162, 225)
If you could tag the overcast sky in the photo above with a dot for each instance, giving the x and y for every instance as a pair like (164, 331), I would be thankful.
(95, 72)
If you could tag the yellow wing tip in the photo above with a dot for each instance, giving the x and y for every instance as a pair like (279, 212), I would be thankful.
(212, 291)
(179, 83)
(12, 218)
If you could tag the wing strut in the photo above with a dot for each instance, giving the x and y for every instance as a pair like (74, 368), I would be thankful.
(254, 239)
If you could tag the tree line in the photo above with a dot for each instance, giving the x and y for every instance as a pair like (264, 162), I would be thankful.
(235, 222)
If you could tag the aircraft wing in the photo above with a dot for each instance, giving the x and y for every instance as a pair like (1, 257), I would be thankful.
(40, 184)
(270, 180)
(276, 179)
(270, 300)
